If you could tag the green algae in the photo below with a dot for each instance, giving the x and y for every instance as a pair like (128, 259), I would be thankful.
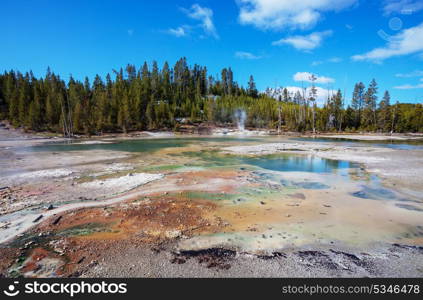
(159, 168)
(83, 230)
(198, 195)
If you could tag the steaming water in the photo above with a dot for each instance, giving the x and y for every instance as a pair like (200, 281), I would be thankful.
(277, 181)
(240, 117)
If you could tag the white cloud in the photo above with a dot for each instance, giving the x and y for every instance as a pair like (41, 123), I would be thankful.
(322, 94)
(409, 86)
(409, 41)
(317, 63)
(304, 42)
(205, 16)
(416, 73)
(246, 55)
(333, 60)
(402, 6)
(306, 77)
(280, 14)
(178, 32)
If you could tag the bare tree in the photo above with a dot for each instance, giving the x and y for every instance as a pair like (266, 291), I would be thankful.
(312, 98)
(279, 118)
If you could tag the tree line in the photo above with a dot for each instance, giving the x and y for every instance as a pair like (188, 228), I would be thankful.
(166, 98)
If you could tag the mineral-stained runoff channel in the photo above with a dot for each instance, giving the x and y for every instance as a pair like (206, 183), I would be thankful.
(66, 208)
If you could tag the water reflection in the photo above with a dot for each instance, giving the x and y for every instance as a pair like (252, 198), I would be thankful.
(375, 193)
(409, 207)
(297, 163)
(135, 145)
(393, 144)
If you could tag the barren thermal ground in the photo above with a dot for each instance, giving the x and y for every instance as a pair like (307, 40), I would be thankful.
(211, 206)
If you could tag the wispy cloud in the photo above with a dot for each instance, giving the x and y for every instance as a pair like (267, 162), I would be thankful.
(246, 55)
(198, 13)
(416, 73)
(413, 74)
(402, 6)
(280, 14)
(317, 63)
(304, 42)
(333, 60)
(409, 86)
(409, 41)
(180, 31)
(306, 77)
(205, 16)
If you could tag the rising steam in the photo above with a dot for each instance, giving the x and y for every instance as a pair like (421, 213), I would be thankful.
(240, 117)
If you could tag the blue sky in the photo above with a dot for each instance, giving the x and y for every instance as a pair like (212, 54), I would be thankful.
(278, 41)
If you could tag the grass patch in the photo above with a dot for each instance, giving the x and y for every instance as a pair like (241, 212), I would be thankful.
(83, 230)
(162, 168)
(29, 237)
(197, 195)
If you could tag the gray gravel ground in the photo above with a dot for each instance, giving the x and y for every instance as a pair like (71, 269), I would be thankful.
(384, 261)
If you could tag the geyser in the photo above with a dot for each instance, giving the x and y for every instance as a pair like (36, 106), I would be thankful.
(240, 117)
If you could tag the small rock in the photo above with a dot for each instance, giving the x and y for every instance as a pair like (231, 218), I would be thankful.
(80, 260)
(57, 220)
(38, 219)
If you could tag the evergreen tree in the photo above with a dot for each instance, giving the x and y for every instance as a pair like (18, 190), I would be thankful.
(335, 109)
(358, 102)
(162, 99)
(252, 90)
(370, 102)
(145, 95)
(384, 114)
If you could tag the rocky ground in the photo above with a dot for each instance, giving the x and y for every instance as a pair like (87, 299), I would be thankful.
(101, 214)
(406, 171)
(393, 261)
(374, 137)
